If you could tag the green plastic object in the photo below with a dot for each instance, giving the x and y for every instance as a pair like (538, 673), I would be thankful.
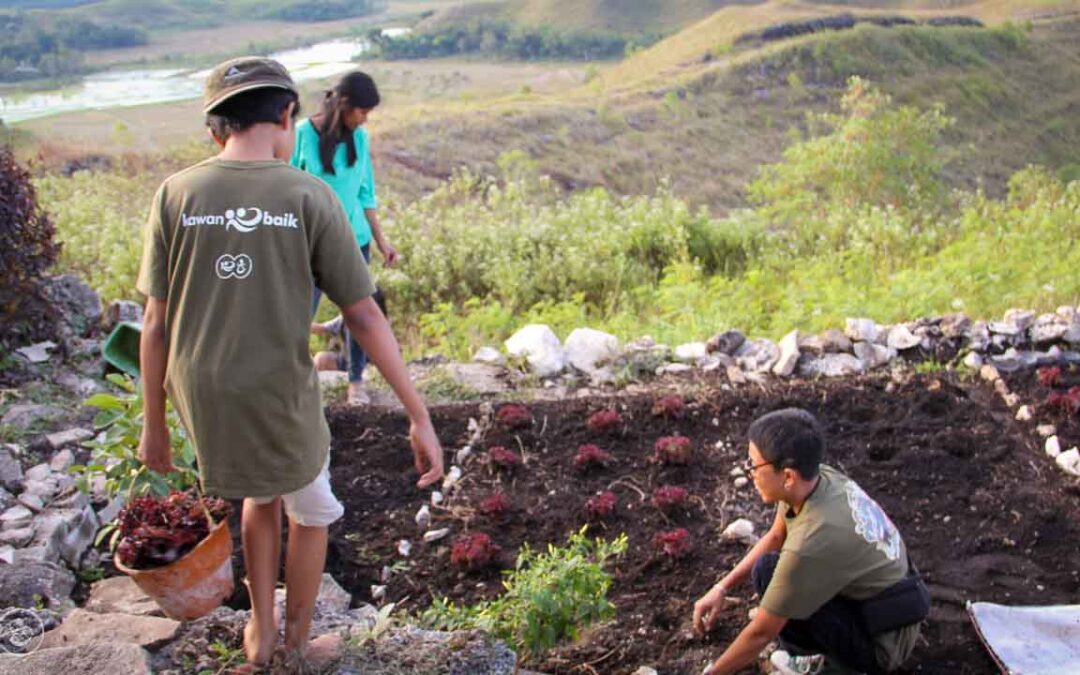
(121, 349)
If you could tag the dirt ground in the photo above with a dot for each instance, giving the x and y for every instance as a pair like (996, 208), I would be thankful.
(985, 514)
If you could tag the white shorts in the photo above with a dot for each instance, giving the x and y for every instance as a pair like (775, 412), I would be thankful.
(313, 505)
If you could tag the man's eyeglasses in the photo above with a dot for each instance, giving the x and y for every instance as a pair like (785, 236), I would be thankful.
(751, 467)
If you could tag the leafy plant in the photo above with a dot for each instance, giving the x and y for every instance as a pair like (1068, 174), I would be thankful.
(514, 416)
(27, 250)
(589, 456)
(503, 458)
(547, 597)
(1067, 403)
(474, 551)
(673, 450)
(602, 505)
(674, 544)
(115, 454)
(670, 406)
(603, 421)
(496, 505)
(1049, 377)
(668, 497)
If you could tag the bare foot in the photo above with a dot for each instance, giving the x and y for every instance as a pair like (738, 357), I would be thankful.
(320, 652)
(259, 642)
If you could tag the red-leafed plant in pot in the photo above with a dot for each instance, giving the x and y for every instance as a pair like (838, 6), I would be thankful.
(178, 550)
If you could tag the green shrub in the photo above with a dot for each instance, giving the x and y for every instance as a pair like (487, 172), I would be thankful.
(547, 597)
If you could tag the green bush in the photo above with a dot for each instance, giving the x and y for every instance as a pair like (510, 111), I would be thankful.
(546, 598)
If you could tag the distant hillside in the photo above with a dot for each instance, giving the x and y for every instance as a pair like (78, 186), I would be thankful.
(705, 113)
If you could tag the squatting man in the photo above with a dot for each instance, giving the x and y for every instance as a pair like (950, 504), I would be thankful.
(838, 590)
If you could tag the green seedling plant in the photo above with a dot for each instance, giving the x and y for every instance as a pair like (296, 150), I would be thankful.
(548, 596)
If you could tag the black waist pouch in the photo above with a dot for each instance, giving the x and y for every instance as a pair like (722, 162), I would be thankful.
(902, 604)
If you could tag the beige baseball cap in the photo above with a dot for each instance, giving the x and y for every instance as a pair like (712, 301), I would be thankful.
(242, 74)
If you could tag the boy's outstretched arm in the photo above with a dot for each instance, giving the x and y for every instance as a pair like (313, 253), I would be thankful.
(369, 327)
(154, 450)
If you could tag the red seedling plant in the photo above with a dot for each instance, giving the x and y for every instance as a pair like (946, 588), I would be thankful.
(502, 458)
(674, 544)
(601, 506)
(589, 456)
(1049, 377)
(496, 506)
(1067, 403)
(668, 498)
(670, 406)
(673, 450)
(514, 416)
(474, 551)
(603, 421)
(156, 531)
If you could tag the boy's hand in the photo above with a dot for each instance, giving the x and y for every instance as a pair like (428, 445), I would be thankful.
(427, 453)
(707, 609)
(389, 253)
(154, 449)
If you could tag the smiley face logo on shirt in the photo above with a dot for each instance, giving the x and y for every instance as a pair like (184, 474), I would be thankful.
(234, 267)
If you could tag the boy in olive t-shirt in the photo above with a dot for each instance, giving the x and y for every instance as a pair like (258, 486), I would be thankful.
(830, 550)
(234, 247)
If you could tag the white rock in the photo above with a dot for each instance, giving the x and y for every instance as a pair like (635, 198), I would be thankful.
(740, 530)
(378, 592)
(789, 355)
(404, 547)
(452, 476)
(989, 373)
(31, 501)
(588, 349)
(645, 670)
(873, 355)
(674, 369)
(690, 352)
(735, 471)
(17, 538)
(1053, 446)
(1048, 328)
(68, 437)
(1003, 328)
(863, 330)
(38, 472)
(901, 338)
(1045, 430)
(37, 353)
(1011, 400)
(7, 554)
(541, 348)
(436, 498)
(1067, 312)
(423, 517)
(741, 481)
(436, 535)
(17, 517)
(62, 461)
(1021, 318)
(490, 356)
(831, 365)
(973, 360)
(1069, 461)
(461, 455)
(1024, 413)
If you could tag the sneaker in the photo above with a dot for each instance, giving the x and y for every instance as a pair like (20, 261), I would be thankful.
(784, 663)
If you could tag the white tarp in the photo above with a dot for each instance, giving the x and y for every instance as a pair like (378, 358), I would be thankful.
(1030, 640)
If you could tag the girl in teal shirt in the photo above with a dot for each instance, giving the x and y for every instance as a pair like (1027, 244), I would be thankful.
(334, 146)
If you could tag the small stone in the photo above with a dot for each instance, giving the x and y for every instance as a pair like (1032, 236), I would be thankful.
(1021, 318)
(490, 356)
(1011, 400)
(1046, 430)
(436, 535)
(436, 498)
(645, 670)
(1069, 461)
(541, 348)
(11, 473)
(901, 338)
(39, 472)
(452, 476)
(404, 547)
(7, 554)
(17, 538)
(955, 325)
(17, 517)
(463, 454)
(423, 517)
(378, 592)
(1024, 413)
(68, 437)
(758, 356)
(1053, 446)
(81, 627)
(831, 365)
(741, 482)
(62, 460)
(121, 595)
(973, 360)
(740, 530)
(690, 352)
(735, 471)
(37, 353)
(31, 501)
(873, 355)
(1003, 328)
(726, 342)
(674, 369)
(24, 416)
(863, 330)
(989, 373)
(789, 355)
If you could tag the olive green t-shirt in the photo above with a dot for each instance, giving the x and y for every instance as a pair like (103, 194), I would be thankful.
(840, 543)
(235, 249)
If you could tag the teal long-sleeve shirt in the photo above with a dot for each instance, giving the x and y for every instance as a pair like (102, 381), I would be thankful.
(354, 185)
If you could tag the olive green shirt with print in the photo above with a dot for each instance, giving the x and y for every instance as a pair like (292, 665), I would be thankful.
(840, 543)
(235, 248)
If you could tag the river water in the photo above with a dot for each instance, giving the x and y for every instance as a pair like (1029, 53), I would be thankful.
(119, 88)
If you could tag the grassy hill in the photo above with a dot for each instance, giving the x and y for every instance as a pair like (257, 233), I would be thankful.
(705, 112)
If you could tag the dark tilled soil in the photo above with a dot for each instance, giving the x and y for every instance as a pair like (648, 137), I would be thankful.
(1026, 385)
(985, 514)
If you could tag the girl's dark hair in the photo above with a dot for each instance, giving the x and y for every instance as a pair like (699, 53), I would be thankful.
(790, 439)
(245, 110)
(355, 90)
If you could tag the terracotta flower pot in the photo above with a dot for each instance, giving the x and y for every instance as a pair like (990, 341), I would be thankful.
(194, 585)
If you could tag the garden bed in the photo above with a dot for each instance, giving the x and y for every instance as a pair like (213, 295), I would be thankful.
(986, 515)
